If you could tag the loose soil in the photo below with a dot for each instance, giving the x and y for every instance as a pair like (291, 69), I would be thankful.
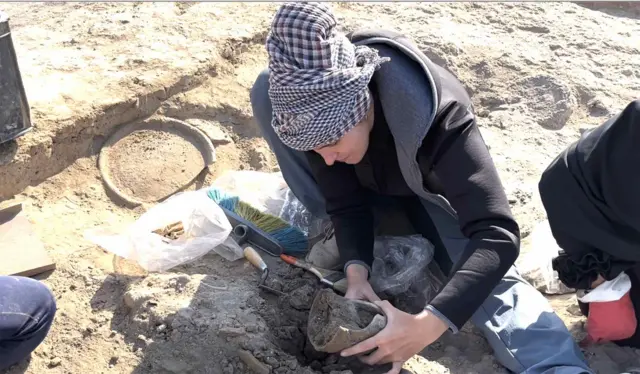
(539, 75)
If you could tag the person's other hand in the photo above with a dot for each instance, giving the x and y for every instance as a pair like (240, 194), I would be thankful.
(358, 287)
(404, 336)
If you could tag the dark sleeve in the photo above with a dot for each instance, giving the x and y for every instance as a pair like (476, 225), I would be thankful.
(470, 182)
(348, 206)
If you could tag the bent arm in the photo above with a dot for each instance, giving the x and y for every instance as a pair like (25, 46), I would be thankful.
(470, 182)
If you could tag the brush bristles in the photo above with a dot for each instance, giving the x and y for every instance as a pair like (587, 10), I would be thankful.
(292, 239)
(265, 222)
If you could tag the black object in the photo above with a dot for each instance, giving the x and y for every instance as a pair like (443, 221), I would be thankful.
(590, 191)
(244, 231)
(14, 109)
(580, 272)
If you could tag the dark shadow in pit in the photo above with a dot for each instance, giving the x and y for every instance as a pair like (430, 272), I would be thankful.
(624, 9)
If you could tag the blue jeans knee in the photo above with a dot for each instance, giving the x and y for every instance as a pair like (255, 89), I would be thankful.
(27, 310)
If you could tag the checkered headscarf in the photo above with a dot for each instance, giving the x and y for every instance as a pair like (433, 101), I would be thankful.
(318, 78)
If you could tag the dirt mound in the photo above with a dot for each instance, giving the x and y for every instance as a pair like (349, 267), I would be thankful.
(180, 321)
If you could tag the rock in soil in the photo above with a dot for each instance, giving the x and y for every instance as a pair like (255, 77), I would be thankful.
(336, 323)
(252, 363)
(56, 361)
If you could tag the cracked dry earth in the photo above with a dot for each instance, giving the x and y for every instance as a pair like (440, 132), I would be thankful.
(539, 74)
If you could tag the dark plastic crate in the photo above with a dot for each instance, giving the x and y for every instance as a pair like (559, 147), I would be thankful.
(14, 109)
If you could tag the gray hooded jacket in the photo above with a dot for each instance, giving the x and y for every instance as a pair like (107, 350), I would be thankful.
(444, 160)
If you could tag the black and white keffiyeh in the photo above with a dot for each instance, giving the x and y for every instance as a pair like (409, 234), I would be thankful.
(318, 78)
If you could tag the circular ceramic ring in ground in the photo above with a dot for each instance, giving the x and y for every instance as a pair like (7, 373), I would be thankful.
(148, 161)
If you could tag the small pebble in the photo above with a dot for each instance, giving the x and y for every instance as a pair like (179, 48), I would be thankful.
(272, 361)
(232, 331)
(293, 364)
(56, 361)
(176, 336)
(251, 328)
(253, 363)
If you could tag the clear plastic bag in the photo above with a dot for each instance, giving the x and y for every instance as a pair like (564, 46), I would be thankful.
(535, 265)
(607, 291)
(269, 193)
(401, 271)
(204, 224)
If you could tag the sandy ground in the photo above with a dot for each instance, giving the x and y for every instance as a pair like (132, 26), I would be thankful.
(539, 74)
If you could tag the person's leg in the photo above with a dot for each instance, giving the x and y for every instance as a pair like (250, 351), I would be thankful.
(297, 173)
(293, 164)
(518, 322)
(27, 309)
(524, 331)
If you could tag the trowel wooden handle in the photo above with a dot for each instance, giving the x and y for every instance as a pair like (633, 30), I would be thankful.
(254, 258)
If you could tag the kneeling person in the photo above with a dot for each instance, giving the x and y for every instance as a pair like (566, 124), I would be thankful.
(355, 121)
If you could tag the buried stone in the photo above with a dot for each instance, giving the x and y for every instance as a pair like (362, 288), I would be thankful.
(292, 320)
(336, 323)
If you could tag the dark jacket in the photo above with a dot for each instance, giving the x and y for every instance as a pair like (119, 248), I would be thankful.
(444, 161)
(591, 193)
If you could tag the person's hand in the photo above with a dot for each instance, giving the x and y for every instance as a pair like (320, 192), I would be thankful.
(404, 336)
(358, 287)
